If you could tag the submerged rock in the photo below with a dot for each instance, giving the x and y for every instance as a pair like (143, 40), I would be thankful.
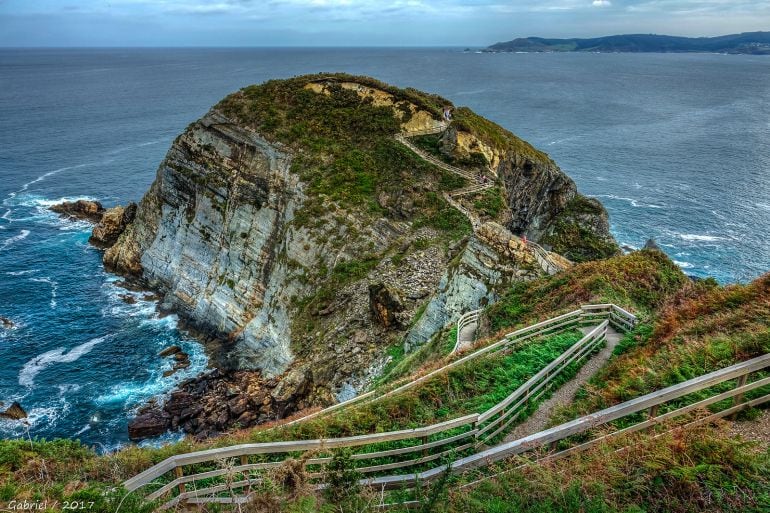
(81, 209)
(5, 322)
(169, 351)
(14, 412)
(211, 404)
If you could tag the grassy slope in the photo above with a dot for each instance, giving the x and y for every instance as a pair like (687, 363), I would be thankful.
(641, 281)
(703, 328)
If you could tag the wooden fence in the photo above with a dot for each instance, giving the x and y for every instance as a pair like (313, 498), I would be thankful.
(651, 403)
(204, 476)
(463, 322)
(544, 258)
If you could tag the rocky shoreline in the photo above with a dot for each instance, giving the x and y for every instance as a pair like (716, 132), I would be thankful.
(213, 403)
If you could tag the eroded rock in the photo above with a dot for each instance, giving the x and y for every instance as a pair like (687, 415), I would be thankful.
(386, 303)
(112, 224)
(81, 209)
(14, 412)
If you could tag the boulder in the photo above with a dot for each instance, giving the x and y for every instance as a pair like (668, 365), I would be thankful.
(5, 322)
(111, 225)
(150, 422)
(171, 350)
(14, 412)
(386, 303)
(127, 298)
(81, 209)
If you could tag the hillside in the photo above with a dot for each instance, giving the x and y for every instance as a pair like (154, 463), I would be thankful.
(308, 245)
(686, 328)
(756, 43)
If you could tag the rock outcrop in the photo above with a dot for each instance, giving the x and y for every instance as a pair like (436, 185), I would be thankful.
(14, 412)
(490, 261)
(294, 233)
(111, 225)
(542, 202)
(81, 209)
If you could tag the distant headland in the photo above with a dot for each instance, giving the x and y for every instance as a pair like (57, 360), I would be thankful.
(754, 43)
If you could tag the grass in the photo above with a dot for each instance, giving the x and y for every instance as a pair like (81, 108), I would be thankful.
(642, 281)
(689, 471)
(702, 328)
(43, 469)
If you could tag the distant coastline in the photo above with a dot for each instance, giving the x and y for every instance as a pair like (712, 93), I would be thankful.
(751, 43)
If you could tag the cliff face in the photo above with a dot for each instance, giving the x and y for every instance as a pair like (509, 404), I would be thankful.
(291, 227)
(208, 234)
(542, 202)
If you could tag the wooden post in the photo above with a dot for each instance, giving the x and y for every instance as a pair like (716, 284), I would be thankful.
(425, 441)
(651, 414)
(179, 473)
(244, 460)
(738, 399)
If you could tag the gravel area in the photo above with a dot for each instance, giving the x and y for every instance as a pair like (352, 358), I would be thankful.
(566, 393)
(757, 430)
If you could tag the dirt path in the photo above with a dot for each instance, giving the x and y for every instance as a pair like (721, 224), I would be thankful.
(566, 393)
(467, 336)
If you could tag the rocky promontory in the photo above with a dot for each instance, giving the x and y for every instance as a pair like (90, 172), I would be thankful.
(302, 241)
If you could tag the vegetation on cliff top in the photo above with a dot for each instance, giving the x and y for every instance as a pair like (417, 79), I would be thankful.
(641, 281)
(571, 235)
(344, 143)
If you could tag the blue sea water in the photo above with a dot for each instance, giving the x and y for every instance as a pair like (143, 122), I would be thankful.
(676, 147)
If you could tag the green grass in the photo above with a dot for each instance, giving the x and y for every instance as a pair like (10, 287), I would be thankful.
(703, 328)
(490, 203)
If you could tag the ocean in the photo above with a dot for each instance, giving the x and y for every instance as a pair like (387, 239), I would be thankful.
(674, 145)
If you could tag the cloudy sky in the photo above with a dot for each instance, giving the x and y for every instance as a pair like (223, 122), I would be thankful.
(359, 22)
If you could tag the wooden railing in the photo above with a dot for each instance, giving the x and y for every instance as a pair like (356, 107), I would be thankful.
(463, 322)
(650, 403)
(544, 258)
(502, 415)
(204, 475)
(402, 138)
(437, 129)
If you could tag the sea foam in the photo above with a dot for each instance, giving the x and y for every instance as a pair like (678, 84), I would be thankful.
(23, 234)
(60, 355)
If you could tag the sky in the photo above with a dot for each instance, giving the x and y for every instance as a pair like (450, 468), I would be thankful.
(360, 22)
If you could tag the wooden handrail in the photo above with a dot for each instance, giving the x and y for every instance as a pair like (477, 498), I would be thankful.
(554, 325)
(463, 321)
(588, 422)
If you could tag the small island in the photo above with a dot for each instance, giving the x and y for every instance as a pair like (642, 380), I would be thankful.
(754, 43)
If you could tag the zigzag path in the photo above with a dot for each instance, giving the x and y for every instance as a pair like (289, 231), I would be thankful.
(565, 394)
